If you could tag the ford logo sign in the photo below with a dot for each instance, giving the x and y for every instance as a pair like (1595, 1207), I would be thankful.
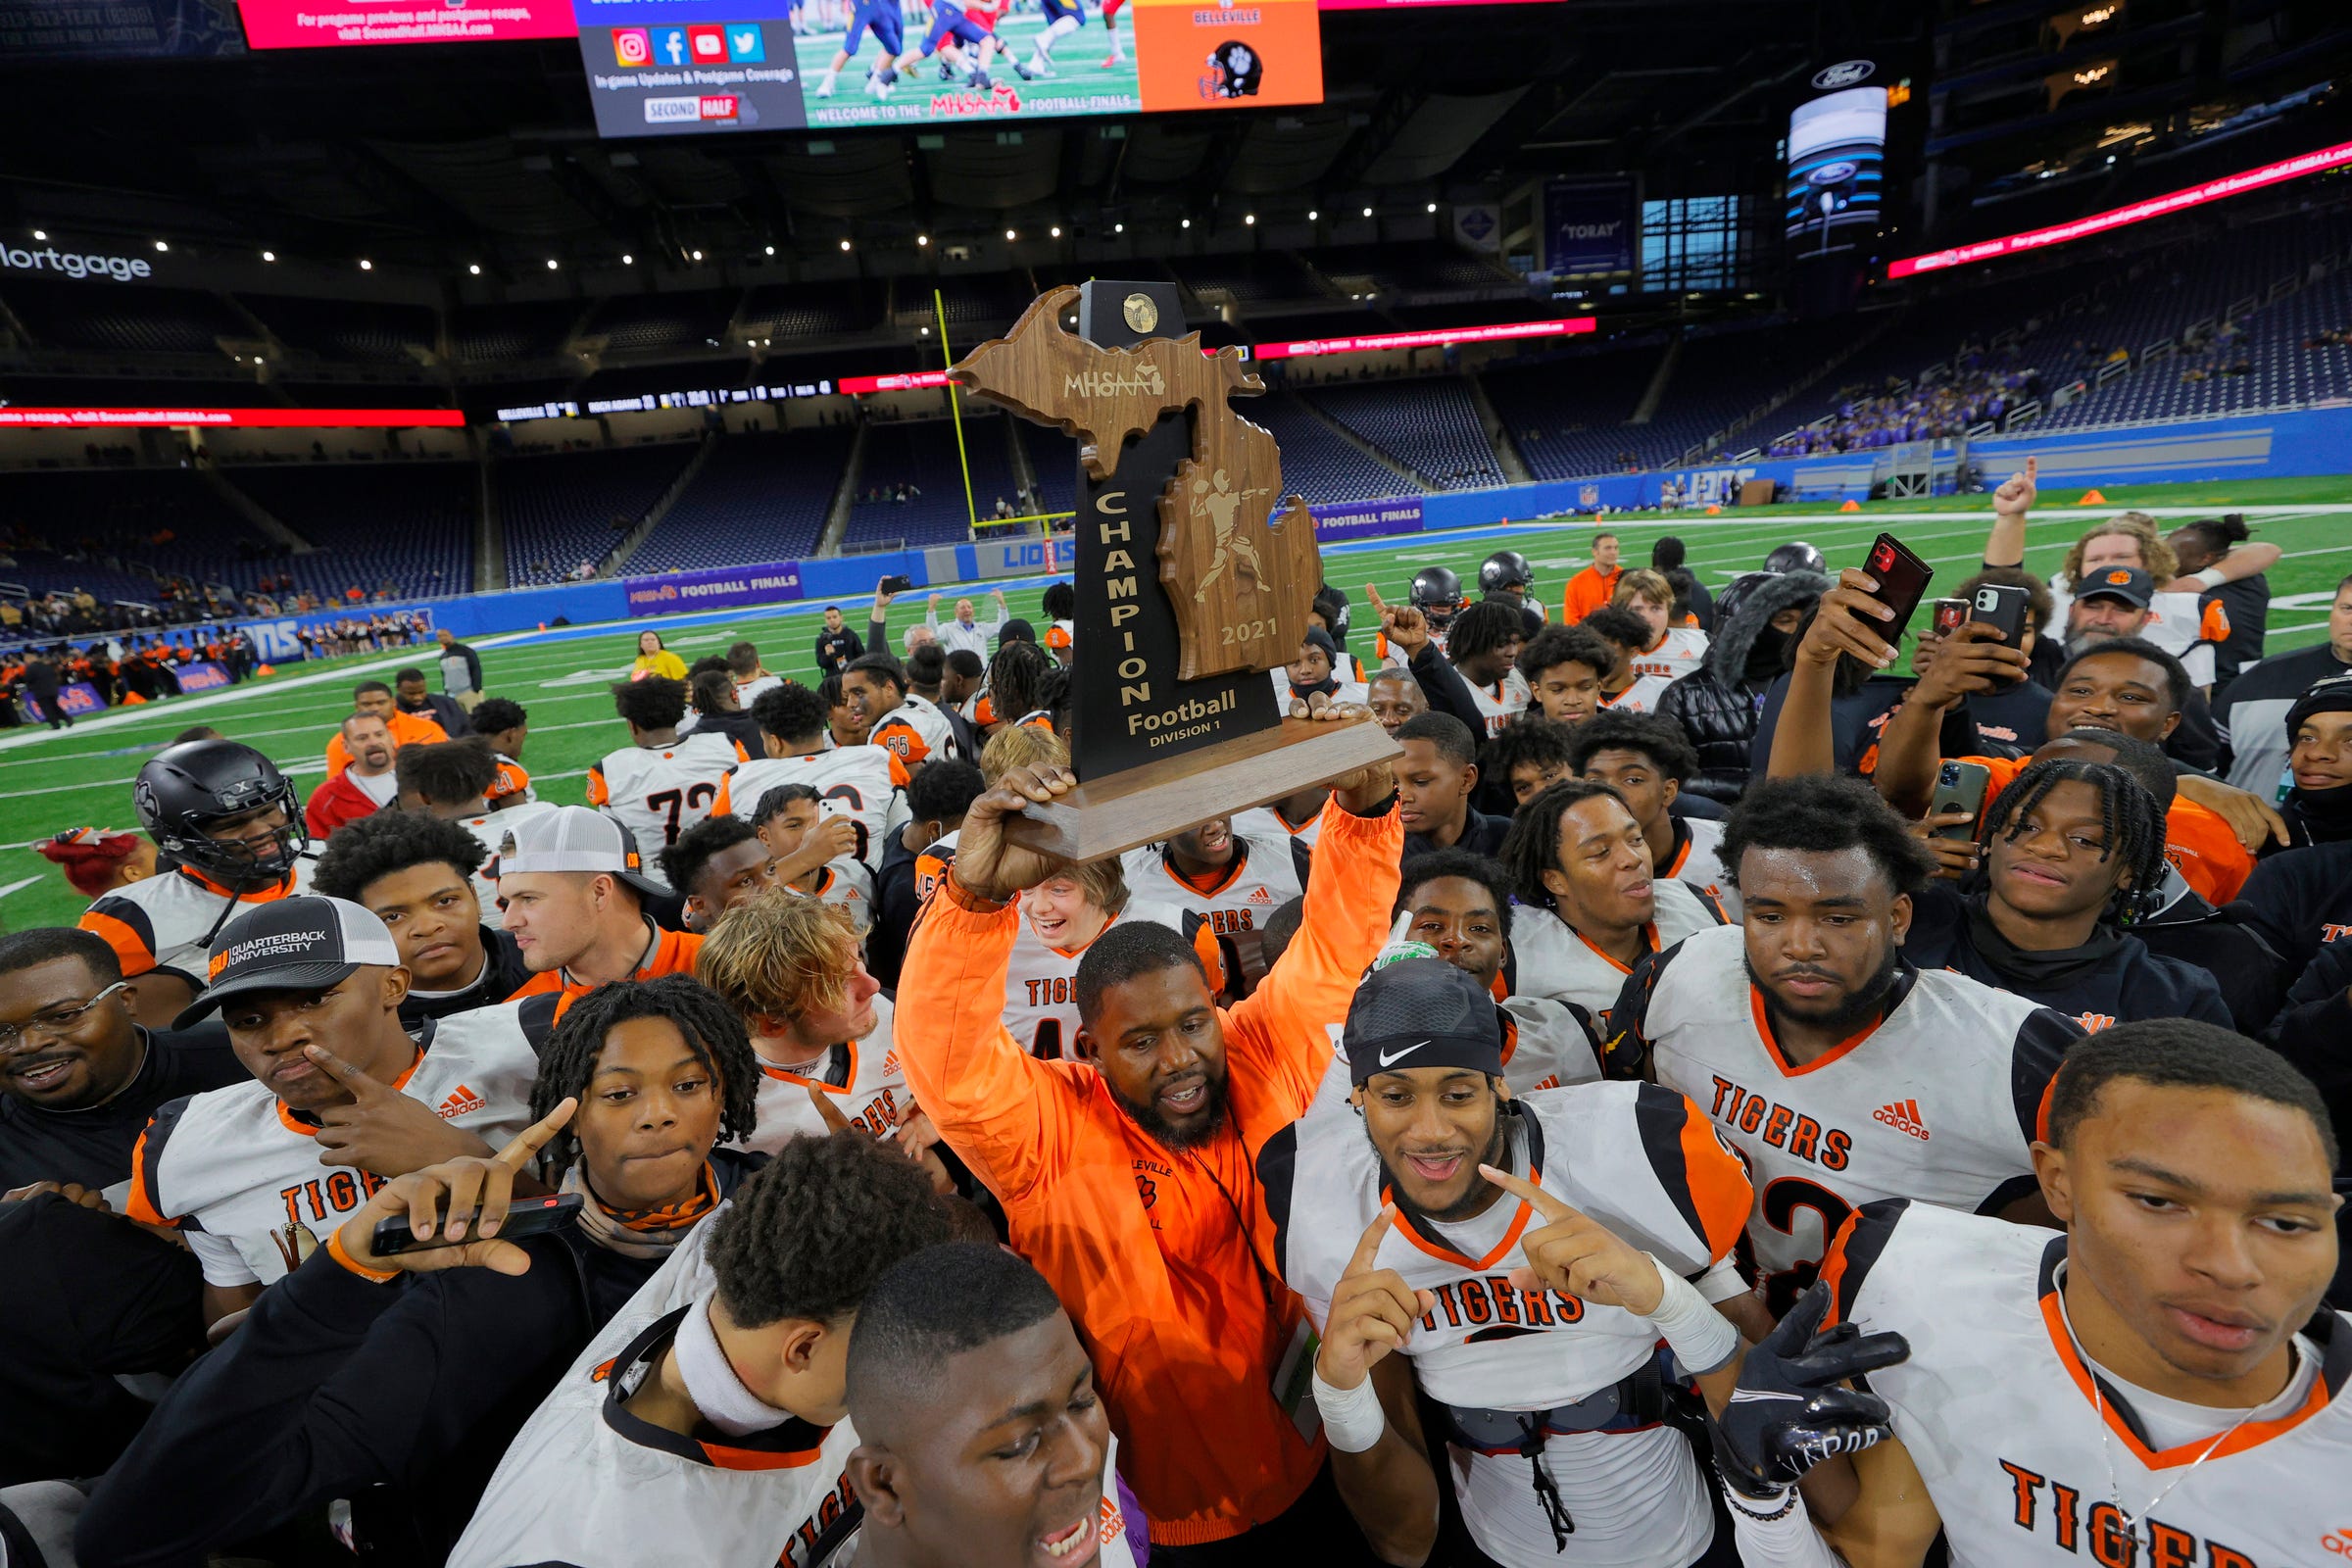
(1844, 73)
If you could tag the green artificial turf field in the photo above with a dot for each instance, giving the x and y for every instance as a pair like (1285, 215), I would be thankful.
(83, 777)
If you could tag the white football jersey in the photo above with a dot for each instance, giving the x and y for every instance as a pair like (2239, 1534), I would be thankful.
(1940, 1102)
(1641, 697)
(167, 921)
(860, 1078)
(1264, 875)
(1683, 651)
(1994, 1407)
(916, 731)
(659, 792)
(846, 885)
(238, 1173)
(1501, 701)
(865, 781)
(1041, 998)
(748, 692)
(1645, 1162)
(1268, 822)
(1546, 1045)
(1698, 862)
(589, 1484)
(1550, 958)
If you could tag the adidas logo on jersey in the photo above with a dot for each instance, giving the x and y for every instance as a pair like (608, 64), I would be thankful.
(1903, 1115)
(1262, 896)
(890, 1061)
(462, 1102)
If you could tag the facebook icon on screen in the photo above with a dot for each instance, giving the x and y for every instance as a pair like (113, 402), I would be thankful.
(669, 45)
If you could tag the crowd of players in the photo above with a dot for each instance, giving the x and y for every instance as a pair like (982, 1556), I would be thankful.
(1710, 1099)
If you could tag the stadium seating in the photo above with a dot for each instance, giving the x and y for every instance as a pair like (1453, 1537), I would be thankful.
(1052, 457)
(1317, 463)
(142, 319)
(645, 323)
(488, 334)
(115, 522)
(801, 312)
(1428, 424)
(1269, 275)
(561, 509)
(1567, 414)
(342, 331)
(408, 525)
(758, 498)
(922, 453)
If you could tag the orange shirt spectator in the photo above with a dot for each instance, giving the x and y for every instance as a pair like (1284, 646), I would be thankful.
(1160, 1254)
(2197, 840)
(407, 729)
(1596, 585)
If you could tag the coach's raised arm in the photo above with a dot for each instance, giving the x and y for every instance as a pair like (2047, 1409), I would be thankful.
(1128, 1176)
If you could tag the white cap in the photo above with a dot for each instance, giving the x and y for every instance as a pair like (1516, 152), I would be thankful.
(573, 838)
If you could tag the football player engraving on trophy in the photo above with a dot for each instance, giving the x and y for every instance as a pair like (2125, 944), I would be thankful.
(1170, 679)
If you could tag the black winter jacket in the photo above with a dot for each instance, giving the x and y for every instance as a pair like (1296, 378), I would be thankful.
(1716, 704)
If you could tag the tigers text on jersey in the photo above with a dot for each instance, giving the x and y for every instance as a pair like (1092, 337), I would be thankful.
(1501, 701)
(1994, 1406)
(1940, 1102)
(1683, 649)
(1545, 1044)
(235, 1171)
(167, 921)
(862, 780)
(1112, 1548)
(1645, 1162)
(916, 731)
(658, 793)
(860, 1079)
(1041, 1005)
(1264, 875)
(590, 1484)
(1551, 958)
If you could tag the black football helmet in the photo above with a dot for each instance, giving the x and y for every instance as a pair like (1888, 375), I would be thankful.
(1796, 555)
(1438, 595)
(186, 790)
(1505, 569)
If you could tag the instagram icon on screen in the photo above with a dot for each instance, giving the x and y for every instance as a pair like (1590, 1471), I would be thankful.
(631, 46)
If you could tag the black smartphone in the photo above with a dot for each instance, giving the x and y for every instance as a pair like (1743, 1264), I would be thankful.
(2002, 607)
(525, 1217)
(1903, 579)
(1951, 615)
(896, 584)
(1960, 787)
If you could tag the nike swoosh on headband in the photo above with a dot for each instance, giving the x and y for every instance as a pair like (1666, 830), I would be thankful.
(1386, 1060)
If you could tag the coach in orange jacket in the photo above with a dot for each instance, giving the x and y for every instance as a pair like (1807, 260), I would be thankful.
(1129, 1178)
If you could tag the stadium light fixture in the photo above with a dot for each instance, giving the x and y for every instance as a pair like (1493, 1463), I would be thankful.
(551, 263)
(627, 260)
(922, 239)
(40, 234)
(475, 269)
(1118, 229)
(926, 331)
(161, 246)
(367, 265)
(1058, 231)
(697, 256)
(1249, 217)
(269, 256)
(1008, 234)
(845, 245)
(1188, 222)
(1432, 207)
(1312, 214)
(1367, 211)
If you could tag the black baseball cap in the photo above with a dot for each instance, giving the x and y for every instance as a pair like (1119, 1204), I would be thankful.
(1420, 1011)
(306, 943)
(2131, 585)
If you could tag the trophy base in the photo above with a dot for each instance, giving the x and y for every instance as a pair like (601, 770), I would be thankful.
(1147, 805)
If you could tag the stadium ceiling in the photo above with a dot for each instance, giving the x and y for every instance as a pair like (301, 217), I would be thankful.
(434, 156)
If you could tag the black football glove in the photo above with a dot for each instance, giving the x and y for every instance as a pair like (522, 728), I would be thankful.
(1790, 1410)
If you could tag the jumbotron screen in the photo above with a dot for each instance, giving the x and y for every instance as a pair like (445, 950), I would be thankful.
(308, 24)
(1836, 157)
(666, 68)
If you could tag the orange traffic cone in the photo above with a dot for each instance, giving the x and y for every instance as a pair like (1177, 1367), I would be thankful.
(266, 670)
(1714, 512)
(2092, 498)
(129, 698)
(1851, 506)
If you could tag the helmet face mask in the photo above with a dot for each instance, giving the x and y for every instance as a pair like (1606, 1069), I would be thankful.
(1505, 570)
(1796, 555)
(186, 792)
(1438, 595)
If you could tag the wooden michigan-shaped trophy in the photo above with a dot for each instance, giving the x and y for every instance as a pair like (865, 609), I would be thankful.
(1191, 581)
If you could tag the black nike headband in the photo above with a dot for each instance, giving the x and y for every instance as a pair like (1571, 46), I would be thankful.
(1416, 1011)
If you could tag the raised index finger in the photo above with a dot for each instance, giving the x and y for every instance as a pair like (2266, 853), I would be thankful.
(532, 1139)
(1367, 1249)
(1372, 592)
(1550, 1208)
(344, 1073)
(2032, 468)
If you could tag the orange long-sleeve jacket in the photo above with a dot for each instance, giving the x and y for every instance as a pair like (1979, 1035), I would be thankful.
(1158, 1255)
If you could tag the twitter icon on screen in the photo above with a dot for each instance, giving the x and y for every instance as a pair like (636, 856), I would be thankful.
(745, 45)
